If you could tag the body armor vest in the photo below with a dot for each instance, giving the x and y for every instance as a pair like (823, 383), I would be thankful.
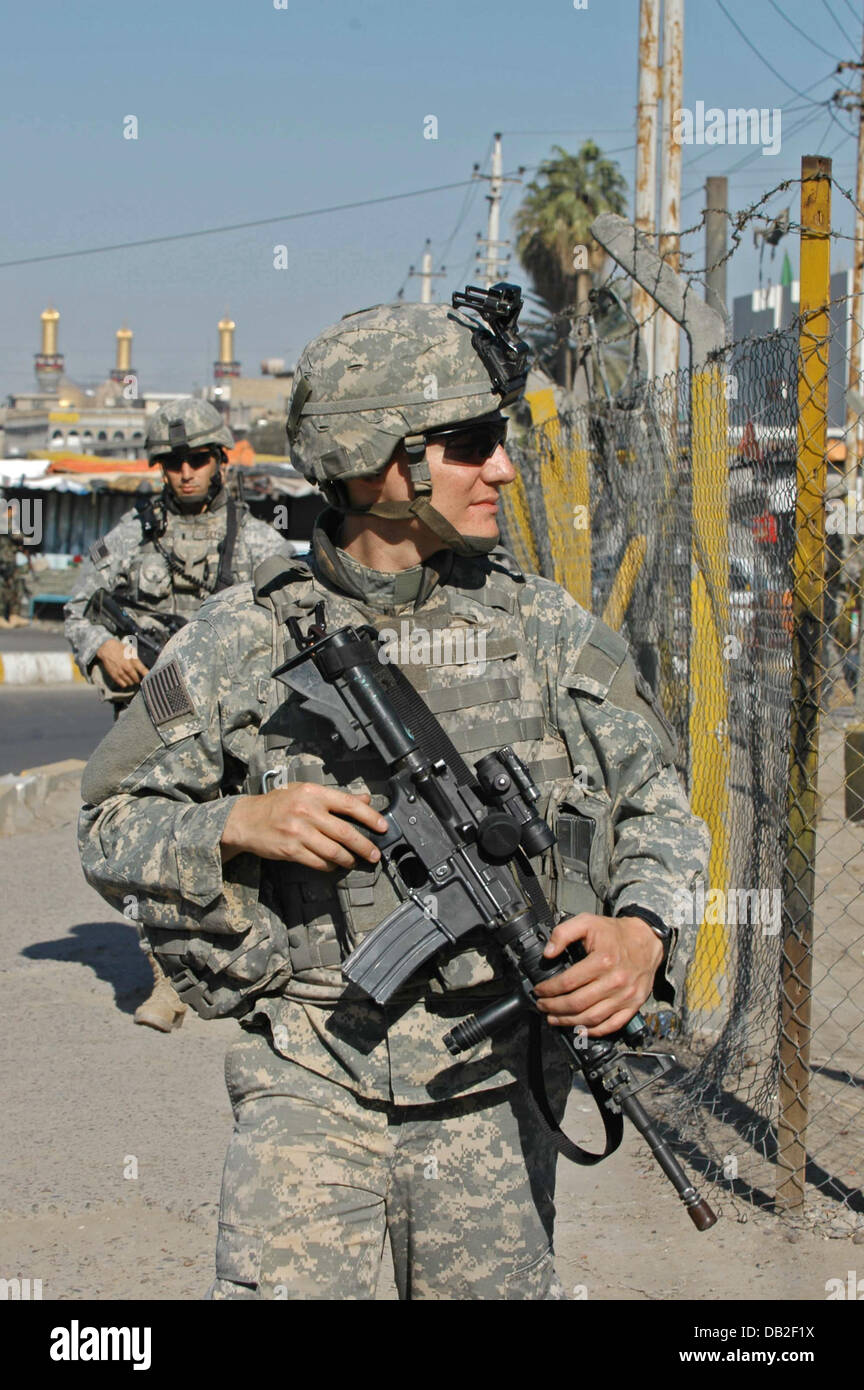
(466, 653)
(194, 542)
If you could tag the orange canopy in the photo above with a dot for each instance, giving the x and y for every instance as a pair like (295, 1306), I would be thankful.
(242, 453)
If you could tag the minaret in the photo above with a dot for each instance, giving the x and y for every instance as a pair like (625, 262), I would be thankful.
(226, 366)
(49, 362)
(124, 356)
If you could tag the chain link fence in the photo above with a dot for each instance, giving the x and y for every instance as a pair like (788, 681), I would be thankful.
(670, 510)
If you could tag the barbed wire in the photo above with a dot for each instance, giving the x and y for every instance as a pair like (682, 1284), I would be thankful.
(739, 222)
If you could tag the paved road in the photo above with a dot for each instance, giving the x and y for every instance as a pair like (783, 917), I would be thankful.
(45, 724)
(36, 638)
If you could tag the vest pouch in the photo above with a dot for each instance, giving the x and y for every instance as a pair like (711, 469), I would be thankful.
(581, 854)
(362, 899)
(307, 901)
(199, 556)
(153, 580)
(219, 976)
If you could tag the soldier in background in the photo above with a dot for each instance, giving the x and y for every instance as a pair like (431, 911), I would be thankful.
(167, 555)
(11, 583)
(227, 811)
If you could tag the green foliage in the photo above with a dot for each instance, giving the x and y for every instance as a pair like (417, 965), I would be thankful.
(555, 216)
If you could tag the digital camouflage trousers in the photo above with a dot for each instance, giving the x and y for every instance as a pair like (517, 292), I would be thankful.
(317, 1177)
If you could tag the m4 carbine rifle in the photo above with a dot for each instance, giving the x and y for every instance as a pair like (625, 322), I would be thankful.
(458, 851)
(111, 611)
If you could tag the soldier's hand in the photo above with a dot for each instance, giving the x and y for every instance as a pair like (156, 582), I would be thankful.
(120, 664)
(304, 823)
(602, 992)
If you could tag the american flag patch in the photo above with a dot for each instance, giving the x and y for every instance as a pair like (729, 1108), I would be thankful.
(98, 551)
(165, 694)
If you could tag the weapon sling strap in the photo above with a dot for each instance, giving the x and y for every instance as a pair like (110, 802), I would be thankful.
(226, 549)
(613, 1123)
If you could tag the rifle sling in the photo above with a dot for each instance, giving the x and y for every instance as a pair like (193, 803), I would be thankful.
(613, 1123)
(226, 550)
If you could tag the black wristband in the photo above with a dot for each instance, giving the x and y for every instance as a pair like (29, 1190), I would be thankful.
(657, 925)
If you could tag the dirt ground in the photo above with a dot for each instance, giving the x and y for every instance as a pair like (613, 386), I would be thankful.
(114, 1137)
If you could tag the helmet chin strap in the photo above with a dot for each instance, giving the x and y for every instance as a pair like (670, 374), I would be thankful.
(420, 506)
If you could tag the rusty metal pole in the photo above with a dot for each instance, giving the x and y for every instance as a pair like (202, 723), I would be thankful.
(666, 330)
(646, 155)
(799, 879)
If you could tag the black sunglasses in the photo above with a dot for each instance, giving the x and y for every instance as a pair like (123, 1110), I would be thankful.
(466, 442)
(174, 462)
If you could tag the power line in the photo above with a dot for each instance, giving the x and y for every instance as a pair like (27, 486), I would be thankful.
(855, 16)
(709, 150)
(737, 27)
(848, 136)
(825, 132)
(837, 22)
(607, 130)
(803, 32)
(798, 125)
(836, 119)
(236, 226)
(463, 213)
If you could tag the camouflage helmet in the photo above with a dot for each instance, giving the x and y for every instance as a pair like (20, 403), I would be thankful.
(377, 376)
(185, 424)
(394, 373)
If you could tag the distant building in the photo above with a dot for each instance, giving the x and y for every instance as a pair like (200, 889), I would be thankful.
(253, 401)
(108, 420)
(775, 308)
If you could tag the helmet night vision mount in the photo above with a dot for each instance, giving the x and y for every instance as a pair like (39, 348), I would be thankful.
(502, 352)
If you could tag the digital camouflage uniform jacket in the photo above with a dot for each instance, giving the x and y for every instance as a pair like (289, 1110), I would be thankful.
(123, 560)
(539, 673)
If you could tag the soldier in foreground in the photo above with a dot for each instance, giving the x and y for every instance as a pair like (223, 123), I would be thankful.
(164, 557)
(222, 808)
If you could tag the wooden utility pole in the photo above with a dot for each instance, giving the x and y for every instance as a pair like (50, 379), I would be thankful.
(646, 155)
(799, 879)
(667, 332)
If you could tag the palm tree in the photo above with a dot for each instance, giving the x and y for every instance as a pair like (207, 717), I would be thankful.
(553, 238)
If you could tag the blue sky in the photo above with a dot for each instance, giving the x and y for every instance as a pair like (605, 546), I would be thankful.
(245, 111)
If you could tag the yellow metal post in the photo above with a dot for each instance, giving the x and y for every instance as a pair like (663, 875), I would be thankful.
(625, 582)
(519, 526)
(568, 511)
(566, 499)
(807, 675)
(709, 696)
